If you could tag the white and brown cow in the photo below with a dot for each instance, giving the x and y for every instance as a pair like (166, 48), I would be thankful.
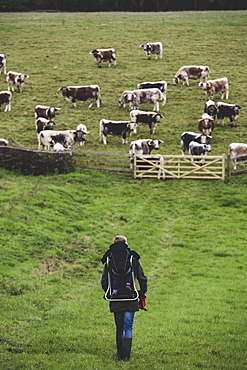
(191, 72)
(42, 124)
(206, 124)
(210, 108)
(230, 111)
(2, 63)
(188, 136)
(153, 48)
(3, 142)
(211, 87)
(104, 55)
(142, 146)
(5, 98)
(162, 85)
(238, 153)
(141, 96)
(116, 128)
(82, 93)
(16, 79)
(68, 138)
(147, 118)
(45, 111)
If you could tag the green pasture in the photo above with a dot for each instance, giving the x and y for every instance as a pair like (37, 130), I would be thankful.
(191, 235)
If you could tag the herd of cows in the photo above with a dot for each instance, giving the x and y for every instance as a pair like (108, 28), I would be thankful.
(146, 92)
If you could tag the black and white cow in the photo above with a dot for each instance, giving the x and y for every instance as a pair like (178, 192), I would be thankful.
(68, 138)
(42, 124)
(238, 153)
(16, 79)
(104, 55)
(211, 87)
(2, 63)
(147, 118)
(82, 93)
(5, 98)
(81, 127)
(187, 137)
(45, 112)
(206, 124)
(210, 108)
(142, 96)
(153, 48)
(230, 111)
(116, 128)
(142, 146)
(162, 85)
(3, 142)
(191, 72)
(198, 149)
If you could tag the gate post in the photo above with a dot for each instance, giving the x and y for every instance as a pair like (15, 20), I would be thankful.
(228, 167)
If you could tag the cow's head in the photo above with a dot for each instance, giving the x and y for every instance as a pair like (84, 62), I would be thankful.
(49, 125)
(21, 78)
(127, 97)
(132, 127)
(79, 136)
(154, 143)
(158, 117)
(65, 90)
(175, 80)
(95, 53)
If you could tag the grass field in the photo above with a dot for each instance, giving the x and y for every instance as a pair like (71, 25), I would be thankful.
(54, 229)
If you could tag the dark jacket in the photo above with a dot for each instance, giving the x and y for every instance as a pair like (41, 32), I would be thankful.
(118, 248)
(130, 306)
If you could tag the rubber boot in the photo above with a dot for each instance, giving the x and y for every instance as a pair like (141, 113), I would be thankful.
(127, 342)
(119, 349)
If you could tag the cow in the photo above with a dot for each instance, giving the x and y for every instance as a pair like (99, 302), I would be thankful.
(82, 93)
(68, 138)
(206, 124)
(142, 146)
(3, 142)
(5, 98)
(81, 127)
(42, 124)
(45, 111)
(210, 108)
(2, 63)
(188, 136)
(198, 149)
(116, 128)
(104, 55)
(230, 111)
(147, 118)
(191, 72)
(153, 48)
(16, 79)
(58, 147)
(211, 87)
(238, 153)
(162, 85)
(142, 96)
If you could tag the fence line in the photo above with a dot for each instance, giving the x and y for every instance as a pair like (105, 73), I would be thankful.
(152, 166)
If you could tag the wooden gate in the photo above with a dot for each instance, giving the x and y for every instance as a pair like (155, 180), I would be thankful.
(180, 166)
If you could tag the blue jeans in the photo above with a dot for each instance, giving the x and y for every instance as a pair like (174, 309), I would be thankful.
(124, 323)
